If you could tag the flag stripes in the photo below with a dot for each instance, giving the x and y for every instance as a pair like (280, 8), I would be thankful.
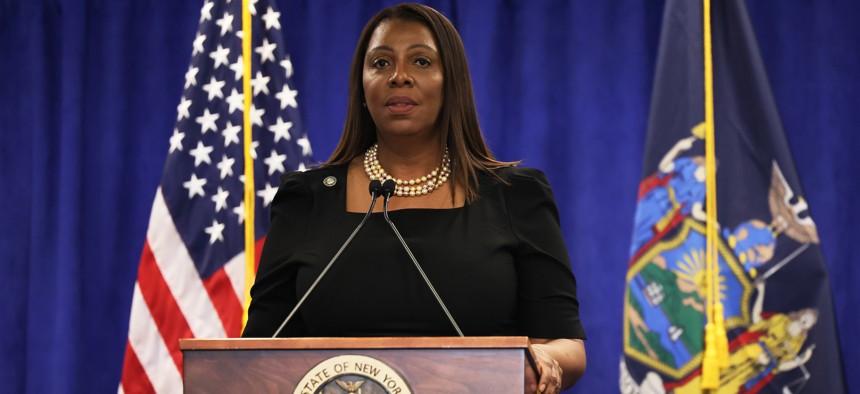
(223, 296)
(137, 382)
(180, 274)
(156, 295)
(150, 352)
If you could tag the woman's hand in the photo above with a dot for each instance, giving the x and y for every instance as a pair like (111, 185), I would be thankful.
(560, 363)
(549, 381)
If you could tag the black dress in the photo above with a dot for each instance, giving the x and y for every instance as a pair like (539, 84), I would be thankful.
(498, 263)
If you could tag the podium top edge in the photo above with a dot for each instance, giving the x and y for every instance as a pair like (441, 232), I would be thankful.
(356, 343)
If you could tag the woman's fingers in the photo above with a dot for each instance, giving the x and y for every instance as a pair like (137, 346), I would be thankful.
(550, 372)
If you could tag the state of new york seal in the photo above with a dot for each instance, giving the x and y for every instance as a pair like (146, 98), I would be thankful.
(352, 374)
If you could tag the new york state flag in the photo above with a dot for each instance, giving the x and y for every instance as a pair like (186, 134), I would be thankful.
(772, 279)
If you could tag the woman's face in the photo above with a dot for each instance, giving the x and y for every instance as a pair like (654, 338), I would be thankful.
(403, 78)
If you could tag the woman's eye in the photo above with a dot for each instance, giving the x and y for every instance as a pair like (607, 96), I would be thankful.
(422, 62)
(378, 63)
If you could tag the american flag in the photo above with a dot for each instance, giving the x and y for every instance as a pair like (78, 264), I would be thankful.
(191, 279)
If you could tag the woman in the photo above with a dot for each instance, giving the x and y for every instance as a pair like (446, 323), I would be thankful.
(486, 232)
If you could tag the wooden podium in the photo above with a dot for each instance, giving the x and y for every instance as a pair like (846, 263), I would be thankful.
(393, 365)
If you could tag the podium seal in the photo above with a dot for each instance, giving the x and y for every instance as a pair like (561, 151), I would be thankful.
(352, 374)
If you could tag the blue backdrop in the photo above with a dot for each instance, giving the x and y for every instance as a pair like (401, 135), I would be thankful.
(88, 95)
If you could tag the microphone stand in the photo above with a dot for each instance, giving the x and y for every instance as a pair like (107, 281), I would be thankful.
(375, 190)
(388, 188)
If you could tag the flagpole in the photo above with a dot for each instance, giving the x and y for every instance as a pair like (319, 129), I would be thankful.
(716, 350)
(250, 250)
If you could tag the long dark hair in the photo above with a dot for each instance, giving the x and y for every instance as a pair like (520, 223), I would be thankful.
(458, 119)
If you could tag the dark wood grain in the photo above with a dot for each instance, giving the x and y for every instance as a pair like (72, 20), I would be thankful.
(429, 365)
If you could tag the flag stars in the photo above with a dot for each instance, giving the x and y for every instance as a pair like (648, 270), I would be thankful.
(259, 84)
(206, 11)
(275, 162)
(226, 166)
(226, 23)
(220, 199)
(207, 121)
(267, 194)
(176, 140)
(182, 109)
(191, 77)
(266, 51)
(287, 64)
(214, 88)
(305, 144)
(198, 44)
(257, 115)
(220, 56)
(194, 186)
(201, 154)
(287, 97)
(231, 134)
(217, 79)
(240, 212)
(281, 130)
(270, 18)
(215, 232)
(236, 101)
(238, 68)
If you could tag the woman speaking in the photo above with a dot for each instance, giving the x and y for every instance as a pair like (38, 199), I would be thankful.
(485, 231)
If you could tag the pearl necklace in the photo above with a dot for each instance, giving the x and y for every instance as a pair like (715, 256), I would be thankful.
(412, 187)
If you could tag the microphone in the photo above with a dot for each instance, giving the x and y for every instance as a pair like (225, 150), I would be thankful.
(375, 191)
(388, 188)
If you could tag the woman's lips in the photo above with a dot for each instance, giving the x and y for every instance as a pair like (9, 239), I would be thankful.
(400, 108)
(400, 104)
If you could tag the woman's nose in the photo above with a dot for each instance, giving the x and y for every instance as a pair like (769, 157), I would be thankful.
(400, 78)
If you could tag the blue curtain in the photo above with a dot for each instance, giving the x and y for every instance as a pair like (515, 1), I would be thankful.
(88, 95)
